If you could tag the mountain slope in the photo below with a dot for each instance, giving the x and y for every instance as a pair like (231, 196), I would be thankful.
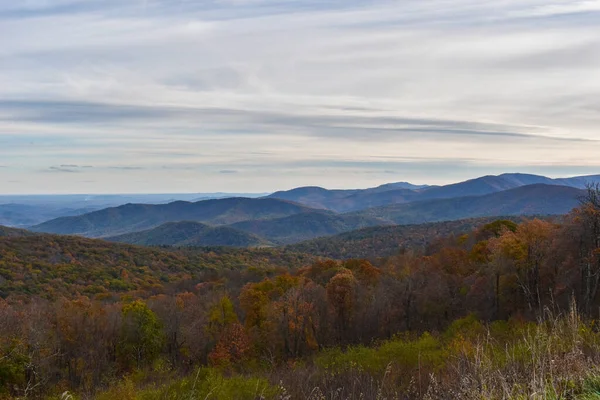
(483, 185)
(305, 226)
(395, 185)
(53, 266)
(350, 200)
(368, 199)
(136, 217)
(314, 196)
(14, 232)
(189, 233)
(384, 241)
(536, 199)
(580, 182)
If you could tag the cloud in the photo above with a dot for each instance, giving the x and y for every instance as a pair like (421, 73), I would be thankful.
(227, 121)
(228, 171)
(60, 169)
(126, 168)
(73, 166)
(294, 92)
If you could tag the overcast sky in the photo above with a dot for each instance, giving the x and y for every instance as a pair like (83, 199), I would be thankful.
(154, 96)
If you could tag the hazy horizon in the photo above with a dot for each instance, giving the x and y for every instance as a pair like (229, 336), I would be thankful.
(265, 192)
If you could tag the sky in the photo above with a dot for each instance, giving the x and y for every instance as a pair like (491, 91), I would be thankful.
(151, 96)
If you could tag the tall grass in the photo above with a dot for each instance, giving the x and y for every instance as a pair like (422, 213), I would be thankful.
(556, 358)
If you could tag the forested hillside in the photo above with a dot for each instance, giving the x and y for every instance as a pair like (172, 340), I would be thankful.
(14, 232)
(51, 266)
(384, 241)
(189, 233)
(308, 225)
(455, 320)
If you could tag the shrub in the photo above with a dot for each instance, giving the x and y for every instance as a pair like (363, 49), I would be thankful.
(204, 384)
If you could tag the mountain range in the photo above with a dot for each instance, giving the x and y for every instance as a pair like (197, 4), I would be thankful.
(354, 200)
(138, 217)
(27, 210)
(538, 199)
(309, 212)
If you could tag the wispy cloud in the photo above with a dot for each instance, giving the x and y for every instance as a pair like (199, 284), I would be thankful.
(126, 168)
(60, 169)
(295, 93)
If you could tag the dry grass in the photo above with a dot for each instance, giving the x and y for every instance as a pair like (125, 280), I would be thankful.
(557, 358)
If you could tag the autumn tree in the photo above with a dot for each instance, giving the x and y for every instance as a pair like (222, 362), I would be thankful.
(220, 316)
(297, 319)
(142, 336)
(13, 355)
(587, 221)
(341, 291)
(87, 333)
(232, 347)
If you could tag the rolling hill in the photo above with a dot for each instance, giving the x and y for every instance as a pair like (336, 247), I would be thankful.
(188, 233)
(538, 199)
(14, 232)
(137, 217)
(384, 241)
(305, 226)
(53, 266)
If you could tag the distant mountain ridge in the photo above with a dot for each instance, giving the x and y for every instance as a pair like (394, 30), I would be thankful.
(355, 200)
(538, 199)
(310, 212)
(24, 215)
(28, 210)
(137, 217)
